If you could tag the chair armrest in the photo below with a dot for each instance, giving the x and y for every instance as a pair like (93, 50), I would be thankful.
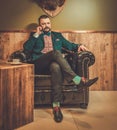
(18, 54)
(80, 62)
(85, 60)
(86, 55)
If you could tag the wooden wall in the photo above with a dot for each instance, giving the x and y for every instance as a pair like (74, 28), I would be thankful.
(102, 44)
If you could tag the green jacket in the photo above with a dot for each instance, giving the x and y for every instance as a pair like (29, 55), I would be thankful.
(34, 46)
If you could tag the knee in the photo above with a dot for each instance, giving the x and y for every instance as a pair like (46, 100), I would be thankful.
(57, 53)
(54, 67)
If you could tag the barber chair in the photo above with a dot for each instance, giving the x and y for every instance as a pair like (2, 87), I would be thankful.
(72, 96)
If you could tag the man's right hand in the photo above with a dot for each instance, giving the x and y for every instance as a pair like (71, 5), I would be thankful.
(39, 30)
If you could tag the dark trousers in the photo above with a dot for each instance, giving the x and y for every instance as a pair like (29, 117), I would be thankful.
(53, 63)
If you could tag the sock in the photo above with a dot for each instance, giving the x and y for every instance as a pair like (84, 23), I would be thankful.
(77, 79)
(56, 104)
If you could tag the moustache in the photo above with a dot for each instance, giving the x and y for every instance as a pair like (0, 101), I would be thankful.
(46, 28)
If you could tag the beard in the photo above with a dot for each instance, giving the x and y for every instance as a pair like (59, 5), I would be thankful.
(46, 29)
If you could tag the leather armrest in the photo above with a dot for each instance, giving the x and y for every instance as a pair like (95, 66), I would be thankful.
(80, 62)
(19, 54)
(85, 59)
(86, 55)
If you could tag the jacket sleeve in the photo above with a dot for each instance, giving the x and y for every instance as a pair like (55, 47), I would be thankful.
(29, 44)
(69, 45)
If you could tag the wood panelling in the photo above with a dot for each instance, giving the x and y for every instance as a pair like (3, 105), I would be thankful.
(115, 61)
(104, 47)
(9, 42)
(102, 44)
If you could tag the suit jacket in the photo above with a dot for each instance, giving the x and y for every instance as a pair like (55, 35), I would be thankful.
(35, 45)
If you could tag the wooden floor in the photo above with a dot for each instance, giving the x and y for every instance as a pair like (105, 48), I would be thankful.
(101, 114)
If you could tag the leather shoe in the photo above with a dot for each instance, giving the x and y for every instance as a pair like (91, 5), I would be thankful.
(88, 83)
(58, 116)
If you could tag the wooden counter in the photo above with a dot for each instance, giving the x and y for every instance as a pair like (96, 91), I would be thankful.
(16, 95)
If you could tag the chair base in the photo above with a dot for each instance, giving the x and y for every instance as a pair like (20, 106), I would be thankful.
(71, 97)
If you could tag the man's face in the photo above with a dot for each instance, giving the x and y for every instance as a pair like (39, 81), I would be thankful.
(45, 24)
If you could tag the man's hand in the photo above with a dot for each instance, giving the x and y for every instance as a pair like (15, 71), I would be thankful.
(82, 48)
(39, 30)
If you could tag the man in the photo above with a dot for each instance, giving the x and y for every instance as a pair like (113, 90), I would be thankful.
(45, 47)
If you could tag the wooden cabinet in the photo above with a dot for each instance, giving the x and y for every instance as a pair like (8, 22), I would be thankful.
(16, 95)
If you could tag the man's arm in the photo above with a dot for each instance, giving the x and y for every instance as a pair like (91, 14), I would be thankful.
(29, 44)
(73, 46)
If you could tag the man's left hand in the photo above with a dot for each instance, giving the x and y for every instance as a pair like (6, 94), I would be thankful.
(82, 48)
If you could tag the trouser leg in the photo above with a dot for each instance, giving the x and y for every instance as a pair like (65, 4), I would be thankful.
(54, 56)
(57, 81)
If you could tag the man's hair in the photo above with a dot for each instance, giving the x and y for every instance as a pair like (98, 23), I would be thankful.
(42, 17)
